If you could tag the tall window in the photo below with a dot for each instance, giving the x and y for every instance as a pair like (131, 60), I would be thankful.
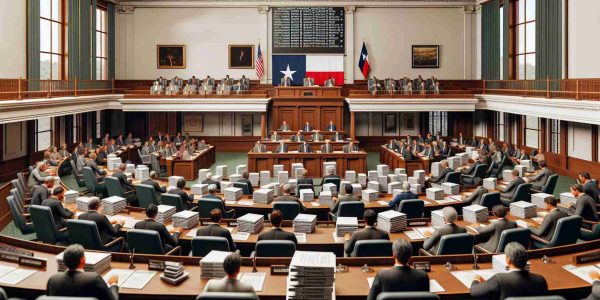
(502, 126)
(501, 40)
(554, 136)
(101, 44)
(438, 121)
(43, 133)
(524, 28)
(532, 131)
(98, 124)
(51, 37)
(76, 128)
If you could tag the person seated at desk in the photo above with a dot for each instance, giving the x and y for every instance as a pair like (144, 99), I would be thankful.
(368, 233)
(101, 155)
(76, 282)
(169, 239)
(287, 197)
(129, 140)
(373, 84)
(231, 283)
(119, 141)
(305, 179)
(401, 277)
(152, 182)
(483, 146)
(546, 230)
(91, 163)
(304, 148)
(185, 198)
(285, 81)
(331, 126)
(125, 183)
(539, 180)
(316, 136)
(307, 127)
(284, 126)
(42, 192)
(178, 139)
(331, 173)
(427, 152)
(350, 147)
(460, 139)
(538, 156)
(347, 197)
(112, 147)
(407, 152)
(308, 81)
(585, 207)
(476, 195)
(108, 230)
(216, 230)
(156, 89)
(209, 181)
(212, 193)
(327, 147)
(38, 175)
(416, 146)
(471, 170)
(259, 148)
(90, 144)
(277, 233)
(443, 149)
(589, 186)
(59, 212)
(441, 178)
(433, 239)
(282, 147)
(299, 137)
(494, 229)
(405, 194)
(330, 82)
(63, 151)
(511, 188)
(246, 181)
(275, 137)
(393, 145)
(106, 139)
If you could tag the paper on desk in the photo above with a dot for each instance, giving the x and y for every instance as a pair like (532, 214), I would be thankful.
(229, 202)
(122, 275)
(6, 269)
(240, 236)
(192, 232)
(370, 281)
(522, 223)
(455, 197)
(230, 229)
(435, 287)
(414, 235)
(170, 227)
(15, 276)
(130, 223)
(445, 201)
(139, 279)
(118, 218)
(315, 204)
(538, 220)
(337, 239)
(246, 202)
(423, 230)
(78, 213)
(301, 237)
(255, 279)
(582, 272)
(384, 203)
(466, 277)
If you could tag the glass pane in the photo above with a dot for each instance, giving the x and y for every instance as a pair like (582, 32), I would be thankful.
(45, 35)
(530, 37)
(521, 67)
(530, 10)
(531, 138)
(56, 67)
(98, 44)
(105, 69)
(56, 10)
(44, 140)
(521, 36)
(531, 122)
(104, 45)
(45, 63)
(43, 124)
(98, 19)
(530, 66)
(104, 21)
(521, 12)
(45, 9)
(55, 37)
(98, 68)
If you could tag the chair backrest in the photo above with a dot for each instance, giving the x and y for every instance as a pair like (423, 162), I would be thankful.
(289, 209)
(44, 297)
(275, 248)
(453, 177)
(145, 241)
(113, 186)
(18, 218)
(16, 184)
(522, 193)
(18, 197)
(226, 296)
(335, 181)
(172, 200)
(43, 224)
(146, 195)
(351, 209)
(519, 235)
(202, 245)
(567, 231)
(536, 298)
(458, 243)
(490, 169)
(550, 184)
(490, 200)
(372, 248)
(480, 171)
(413, 208)
(243, 186)
(22, 178)
(90, 179)
(85, 233)
(407, 296)
(205, 205)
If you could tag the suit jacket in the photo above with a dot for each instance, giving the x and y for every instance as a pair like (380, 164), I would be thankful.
(399, 279)
(304, 148)
(81, 284)
(347, 149)
(331, 127)
(471, 169)
(126, 186)
(283, 149)
(165, 236)
(285, 127)
(159, 189)
(511, 284)
(495, 229)
(441, 178)
(228, 285)
(346, 198)
(431, 244)
(275, 138)
(591, 188)
(36, 178)
(406, 154)
(297, 138)
(187, 199)
(408, 195)
(368, 233)
(325, 148)
(511, 188)
(475, 197)
(259, 148)
(539, 179)
(316, 137)
(277, 234)
(307, 127)
(248, 183)
(546, 229)
(120, 142)
(107, 231)
(94, 166)
(59, 212)
(218, 231)
(111, 148)
(393, 145)
(39, 194)
(428, 152)
(585, 207)
(290, 198)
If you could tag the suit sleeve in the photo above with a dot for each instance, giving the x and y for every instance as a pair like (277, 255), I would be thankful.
(431, 241)
(65, 213)
(161, 189)
(509, 187)
(487, 289)
(112, 230)
(375, 288)
(350, 245)
(104, 291)
(543, 229)
(232, 246)
(169, 239)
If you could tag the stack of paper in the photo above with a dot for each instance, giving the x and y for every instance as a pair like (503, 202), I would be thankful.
(345, 225)
(402, 177)
(71, 197)
(475, 214)
(312, 276)
(275, 186)
(469, 150)
(490, 183)
(113, 205)
(277, 169)
(521, 169)
(373, 185)
(222, 171)
(343, 184)
(416, 189)
(250, 223)
(263, 196)
(383, 170)
(174, 273)
(420, 175)
(265, 177)
(451, 188)
(373, 176)
(356, 189)
(567, 198)
(112, 163)
(235, 177)
(297, 170)
(173, 180)
(383, 182)
(307, 195)
(527, 164)
(454, 162)
(185, 219)
(304, 223)
(94, 262)
(211, 266)
(141, 173)
(362, 179)
(350, 176)
(539, 199)
(226, 184)
(522, 209)
(202, 174)
(464, 157)
(165, 213)
(507, 175)
(329, 187)
(399, 171)
(217, 178)
(294, 184)
(434, 193)
(393, 178)
(254, 178)
(199, 189)
(327, 165)
(391, 221)
(232, 193)
(240, 169)
(437, 218)
(395, 185)
(475, 155)
(413, 180)
(325, 198)
(129, 168)
(82, 203)
(369, 195)
(436, 168)
(282, 177)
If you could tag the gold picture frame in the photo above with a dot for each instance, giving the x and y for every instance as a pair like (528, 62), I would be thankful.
(236, 61)
(170, 56)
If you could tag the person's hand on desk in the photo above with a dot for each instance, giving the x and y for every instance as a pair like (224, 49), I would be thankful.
(594, 275)
(176, 230)
(113, 280)
(427, 233)
(479, 278)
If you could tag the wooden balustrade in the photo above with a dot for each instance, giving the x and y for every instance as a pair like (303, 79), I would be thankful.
(16, 89)
(578, 89)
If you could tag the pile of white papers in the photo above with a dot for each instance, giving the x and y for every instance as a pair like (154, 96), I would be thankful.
(393, 178)
(527, 163)
(305, 223)
(131, 279)
(225, 185)
(129, 168)
(383, 182)
(263, 196)
(383, 170)
(464, 157)
(277, 169)
(173, 180)
(199, 189)
(451, 188)
(475, 214)
(211, 266)
(275, 186)
(307, 195)
(399, 171)
(454, 162)
(394, 185)
(235, 177)
(567, 198)
(265, 177)
(112, 162)
(113, 205)
(325, 198)
(185, 219)
(312, 276)
(344, 225)
(240, 169)
(437, 218)
(329, 187)
(327, 165)
(436, 168)
(282, 177)
(434, 193)
(373, 185)
(82, 203)
(507, 175)
(391, 221)
(416, 188)
(362, 179)
(202, 174)
(356, 189)
(165, 213)
(174, 272)
(297, 170)
(251, 223)
(142, 173)
(373, 176)
(521, 169)
(222, 171)
(369, 195)
(71, 197)
(10, 275)
(522, 209)
(539, 199)
(232, 193)
(94, 262)
(490, 183)
(254, 178)
(420, 175)
(350, 176)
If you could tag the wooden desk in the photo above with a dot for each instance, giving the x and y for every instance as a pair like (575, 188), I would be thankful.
(188, 168)
(395, 160)
(307, 92)
(316, 146)
(313, 162)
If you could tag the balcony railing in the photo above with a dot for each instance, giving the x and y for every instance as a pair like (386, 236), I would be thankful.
(16, 89)
(411, 94)
(578, 89)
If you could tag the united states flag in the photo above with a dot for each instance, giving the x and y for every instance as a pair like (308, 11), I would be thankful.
(260, 67)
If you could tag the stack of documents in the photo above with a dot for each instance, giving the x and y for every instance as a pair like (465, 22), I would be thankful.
(399, 171)
(454, 162)
(416, 188)
(343, 184)
(251, 223)
(71, 197)
(362, 179)
(345, 225)
(329, 164)
(113, 205)
(199, 189)
(94, 262)
(307, 195)
(490, 183)
(356, 189)
(297, 170)
(129, 168)
(383, 182)
(350, 176)
(265, 177)
(464, 157)
(524, 210)
(373, 176)
(383, 170)
(282, 177)
(521, 169)
(275, 186)
(240, 169)
(436, 168)
(451, 188)
(312, 276)
(235, 177)
(391, 221)
(329, 187)
(232, 194)
(395, 185)
(226, 184)
(539, 199)
(222, 171)
(305, 223)
(325, 198)
(402, 177)
(202, 174)
(142, 173)
(263, 196)
(369, 195)
(527, 164)
(174, 273)
(82, 203)
(254, 178)
(475, 214)
(437, 218)
(112, 163)
(211, 266)
(165, 213)
(567, 198)
(393, 178)
(507, 175)
(277, 169)
(185, 219)
(373, 185)
(173, 180)
(434, 193)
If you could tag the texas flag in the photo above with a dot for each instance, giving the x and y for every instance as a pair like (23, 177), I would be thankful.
(298, 67)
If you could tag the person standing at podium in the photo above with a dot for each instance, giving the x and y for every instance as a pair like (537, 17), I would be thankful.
(331, 126)
(327, 148)
(286, 81)
(304, 148)
(282, 147)
(307, 127)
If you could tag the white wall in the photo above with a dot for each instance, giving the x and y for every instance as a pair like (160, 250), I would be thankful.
(584, 22)
(580, 140)
(13, 34)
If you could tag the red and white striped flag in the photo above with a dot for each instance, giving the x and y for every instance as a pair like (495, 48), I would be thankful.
(260, 67)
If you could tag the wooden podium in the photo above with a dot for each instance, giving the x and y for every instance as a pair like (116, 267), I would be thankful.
(308, 92)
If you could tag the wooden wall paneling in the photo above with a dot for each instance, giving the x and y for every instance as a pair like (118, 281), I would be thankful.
(308, 114)
(461, 122)
(331, 114)
(5, 215)
(172, 123)
(288, 114)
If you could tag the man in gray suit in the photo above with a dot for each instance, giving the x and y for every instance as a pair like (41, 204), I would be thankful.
(42, 192)
(539, 180)
(282, 147)
(546, 229)
(304, 148)
(37, 175)
(275, 137)
(368, 233)
(91, 163)
(326, 148)
(450, 216)
(284, 126)
(287, 197)
(494, 229)
(509, 191)
(475, 196)
(350, 147)
(259, 147)
(299, 137)
(348, 197)
(317, 137)
(230, 284)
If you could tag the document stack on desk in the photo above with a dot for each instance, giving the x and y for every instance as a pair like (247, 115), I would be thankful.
(434, 194)
(173, 180)
(370, 195)
(112, 162)
(383, 170)
(263, 196)
(312, 276)
(373, 176)
(240, 169)
(527, 164)
(475, 214)
(186, 219)
(391, 221)
(305, 223)
(251, 223)
(383, 182)
(282, 177)
(211, 266)
(435, 168)
(361, 179)
(373, 185)
(307, 195)
(232, 194)
(297, 170)
(94, 262)
(399, 171)
(265, 177)
(82, 203)
(329, 187)
(523, 210)
(394, 185)
(325, 198)
(345, 225)
(199, 189)
(567, 198)
(165, 213)
(254, 178)
(141, 173)
(437, 218)
(490, 183)
(222, 171)
(539, 199)
(202, 174)
(331, 164)
(113, 205)
(235, 177)
(350, 176)
(174, 273)
(71, 197)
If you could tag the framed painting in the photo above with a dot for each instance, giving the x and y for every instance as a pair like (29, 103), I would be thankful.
(170, 57)
(247, 125)
(425, 56)
(193, 123)
(410, 121)
(241, 56)
(390, 123)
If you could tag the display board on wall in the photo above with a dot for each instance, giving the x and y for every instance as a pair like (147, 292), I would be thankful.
(308, 30)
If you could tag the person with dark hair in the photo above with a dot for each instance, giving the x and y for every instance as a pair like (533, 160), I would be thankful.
(246, 181)
(401, 277)
(75, 282)
(509, 191)
(215, 229)
(368, 233)
(590, 187)
(546, 229)
(583, 207)
(346, 198)
(518, 282)
(277, 233)
(230, 284)
(169, 239)
(108, 230)
(494, 229)
(185, 198)
(59, 212)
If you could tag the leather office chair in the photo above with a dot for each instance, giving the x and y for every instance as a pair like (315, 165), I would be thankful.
(86, 234)
(205, 205)
(372, 248)
(19, 200)
(536, 298)
(148, 242)
(521, 194)
(146, 160)
(566, 233)
(242, 186)
(289, 209)
(490, 200)
(202, 245)
(407, 296)
(451, 244)
(453, 177)
(479, 172)
(113, 187)
(413, 208)
(45, 229)
(519, 235)
(335, 181)
(590, 234)
(549, 186)
(349, 209)
(78, 176)
(274, 248)
(22, 179)
(490, 169)
(92, 184)
(22, 190)
(172, 200)
(146, 195)
(226, 296)
(18, 217)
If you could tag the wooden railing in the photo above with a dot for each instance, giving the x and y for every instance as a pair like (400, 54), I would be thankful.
(412, 95)
(133, 94)
(578, 89)
(17, 89)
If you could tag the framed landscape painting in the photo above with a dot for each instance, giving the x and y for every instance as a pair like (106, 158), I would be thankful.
(170, 56)
(425, 56)
(241, 56)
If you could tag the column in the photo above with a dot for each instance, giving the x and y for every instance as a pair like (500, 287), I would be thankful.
(124, 42)
(471, 41)
(263, 125)
(265, 44)
(352, 127)
(349, 36)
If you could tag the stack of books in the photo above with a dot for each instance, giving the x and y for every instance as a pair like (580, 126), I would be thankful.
(307, 195)
(451, 188)
(113, 205)
(211, 266)
(97, 262)
(71, 197)
(383, 170)
(165, 213)
(391, 221)
(174, 273)
(141, 173)
(475, 214)
(82, 203)
(312, 276)
(539, 199)
(263, 196)
(222, 171)
(232, 194)
(350, 176)
(523, 210)
(361, 179)
(566, 198)
(325, 198)
(437, 218)
(265, 177)
(369, 195)
(373, 176)
(305, 223)
(185, 219)
(394, 185)
(251, 223)
(202, 174)
(200, 189)
(235, 177)
(345, 225)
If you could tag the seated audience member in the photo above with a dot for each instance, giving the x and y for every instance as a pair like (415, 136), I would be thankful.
(90, 144)
(450, 216)
(461, 140)
(42, 192)
(209, 181)
(511, 188)
(350, 147)
(152, 182)
(327, 147)
(125, 183)
(522, 154)
(76, 282)
(285, 81)
(299, 137)
(405, 194)
(37, 175)
(337, 137)
(348, 197)
(427, 152)
(231, 283)
(259, 147)
(368, 233)
(112, 147)
(287, 197)
(590, 187)
(401, 277)
(215, 229)
(185, 197)
(245, 180)
(101, 155)
(476, 195)
(331, 126)
(282, 147)
(91, 163)
(471, 170)
(518, 282)
(305, 179)
(441, 178)
(539, 156)
(59, 212)
(120, 142)
(585, 207)
(304, 148)
(331, 173)
(63, 151)
(212, 193)
(145, 148)
(129, 140)
(284, 126)
(277, 233)
(393, 145)
(316, 136)
(307, 127)
(168, 238)
(546, 229)
(539, 180)
(494, 229)
(108, 230)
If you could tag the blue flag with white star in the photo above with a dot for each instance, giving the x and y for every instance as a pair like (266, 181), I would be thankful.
(294, 66)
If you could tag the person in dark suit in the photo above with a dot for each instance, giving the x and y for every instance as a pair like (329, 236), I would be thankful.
(41, 192)
(401, 277)
(75, 282)
(393, 145)
(595, 294)
(284, 126)
(350, 147)
(307, 127)
(348, 197)
(494, 230)
(230, 283)
(441, 178)
(246, 181)
(37, 175)
(259, 147)
(152, 182)
(299, 137)
(475, 196)
(216, 230)
(368, 233)
(282, 147)
(187, 199)
(471, 170)
(212, 193)
(91, 163)
(277, 233)
(584, 206)
(109, 231)
(327, 147)
(305, 179)
(406, 194)
(331, 126)
(546, 229)
(518, 282)
(304, 148)
(589, 186)
(427, 152)
(210, 181)
(125, 183)
(168, 239)
(509, 191)
(450, 216)
(539, 180)
(287, 197)
(316, 136)
(59, 212)
(120, 142)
